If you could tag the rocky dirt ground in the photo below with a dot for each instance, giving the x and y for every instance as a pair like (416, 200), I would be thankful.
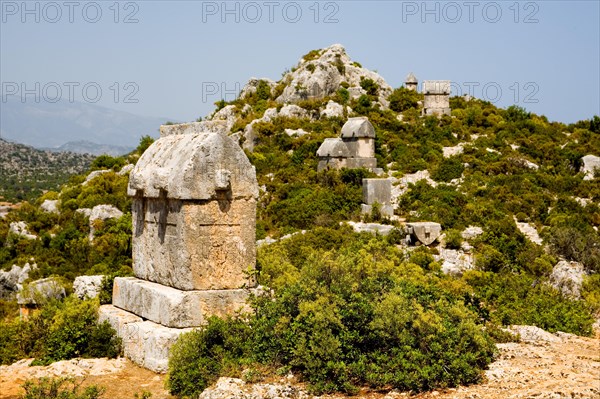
(541, 366)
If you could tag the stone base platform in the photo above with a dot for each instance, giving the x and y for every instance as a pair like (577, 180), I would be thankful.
(144, 342)
(171, 307)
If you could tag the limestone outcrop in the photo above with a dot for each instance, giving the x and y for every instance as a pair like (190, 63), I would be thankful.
(194, 216)
(87, 286)
(322, 76)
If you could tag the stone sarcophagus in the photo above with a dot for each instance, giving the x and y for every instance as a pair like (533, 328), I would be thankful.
(194, 218)
(194, 211)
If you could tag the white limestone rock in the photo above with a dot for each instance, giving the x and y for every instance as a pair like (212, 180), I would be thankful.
(333, 110)
(322, 77)
(87, 286)
(101, 212)
(11, 281)
(235, 388)
(471, 232)
(568, 278)
(126, 169)
(227, 114)
(295, 132)
(293, 111)
(252, 85)
(21, 229)
(451, 151)
(590, 164)
(373, 228)
(39, 291)
(530, 232)
(50, 206)
(94, 174)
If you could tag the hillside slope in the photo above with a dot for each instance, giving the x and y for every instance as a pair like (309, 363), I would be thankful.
(25, 172)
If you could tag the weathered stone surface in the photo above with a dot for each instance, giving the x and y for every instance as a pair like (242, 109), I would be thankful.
(21, 229)
(333, 110)
(175, 308)
(193, 166)
(471, 232)
(373, 228)
(377, 191)
(101, 212)
(451, 151)
(436, 97)
(227, 114)
(455, 261)
(252, 85)
(126, 169)
(293, 111)
(194, 246)
(295, 132)
(235, 388)
(530, 232)
(590, 164)
(568, 278)
(322, 76)
(39, 291)
(384, 210)
(11, 281)
(194, 213)
(93, 175)
(87, 286)
(425, 232)
(144, 342)
(50, 206)
(216, 126)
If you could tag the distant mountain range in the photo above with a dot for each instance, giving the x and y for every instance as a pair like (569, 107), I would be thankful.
(76, 126)
(87, 147)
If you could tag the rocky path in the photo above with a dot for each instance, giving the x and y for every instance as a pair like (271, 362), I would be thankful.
(541, 366)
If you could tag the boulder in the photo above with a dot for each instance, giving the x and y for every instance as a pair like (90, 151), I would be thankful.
(295, 132)
(93, 175)
(50, 206)
(11, 281)
(252, 84)
(293, 111)
(40, 291)
(568, 278)
(227, 114)
(101, 212)
(21, 229)
(87, 286)
(126, 169)
(590, 164)
(333, 110)
(471, 232)
(235, 388)
(373, 228)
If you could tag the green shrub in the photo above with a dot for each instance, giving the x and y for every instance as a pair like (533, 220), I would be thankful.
(453, 239)
(449, 169)
(59, 330)
(342, 318)
(59, 388)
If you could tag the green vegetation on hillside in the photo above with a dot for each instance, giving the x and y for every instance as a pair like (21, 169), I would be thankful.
(344, 310)
(26, 173)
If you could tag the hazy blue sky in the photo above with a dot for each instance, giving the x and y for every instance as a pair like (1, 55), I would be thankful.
(177, 58)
